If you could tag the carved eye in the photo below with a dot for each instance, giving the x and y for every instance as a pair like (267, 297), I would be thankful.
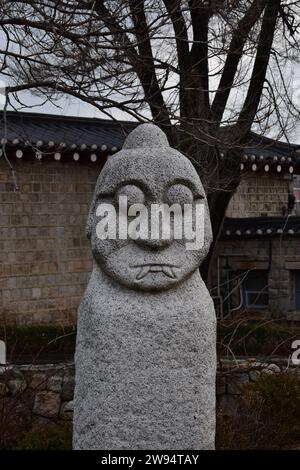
(134, 194)
(179, 194)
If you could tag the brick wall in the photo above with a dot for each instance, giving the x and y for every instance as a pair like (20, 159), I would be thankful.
(44, 254)
(260, 194)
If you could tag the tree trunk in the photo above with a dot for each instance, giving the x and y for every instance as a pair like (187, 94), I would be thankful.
(218, 201)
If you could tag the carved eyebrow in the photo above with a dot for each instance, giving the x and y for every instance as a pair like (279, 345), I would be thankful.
(196, 189)
(109, 190)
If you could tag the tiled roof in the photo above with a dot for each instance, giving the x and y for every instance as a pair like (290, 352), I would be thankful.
(45, 134)
(262, 154)
(260, 227)
(72, 132)
(263, 146)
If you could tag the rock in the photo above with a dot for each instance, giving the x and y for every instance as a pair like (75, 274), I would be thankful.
(10, 372)
(15, 373)
(146, 345)
(16, 386)
(241, 364)
(69, 406)
(236, 382)
(255, 364)
(254, 375)
(271, 369)
(68, 388)
(54, 383)
(38, 382)
(266, 371)
(47, 404)
(67, 409)
(275, 368)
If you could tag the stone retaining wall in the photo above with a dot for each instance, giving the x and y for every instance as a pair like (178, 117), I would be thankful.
(232, 376)
(41, 393)
(45, 392)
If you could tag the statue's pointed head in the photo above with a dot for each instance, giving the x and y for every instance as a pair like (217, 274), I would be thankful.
(141, 245)
(146, 136)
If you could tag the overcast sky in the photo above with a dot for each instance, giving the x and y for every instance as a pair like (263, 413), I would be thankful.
(67, 105)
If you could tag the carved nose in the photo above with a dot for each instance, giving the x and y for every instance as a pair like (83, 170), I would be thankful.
(157, 244)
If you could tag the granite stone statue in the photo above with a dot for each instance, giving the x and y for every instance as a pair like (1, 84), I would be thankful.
(145, 353)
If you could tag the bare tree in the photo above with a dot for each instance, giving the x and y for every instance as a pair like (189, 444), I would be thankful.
(206, 72)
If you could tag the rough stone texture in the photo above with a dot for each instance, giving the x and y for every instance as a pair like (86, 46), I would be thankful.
(39, 382)
(66, 411)
(47, 404)
(270, 369)
(54, 383)
(16, 386)
(254, 375)
(37, 390)
(145, 354)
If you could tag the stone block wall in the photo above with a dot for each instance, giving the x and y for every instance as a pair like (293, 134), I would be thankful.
(41, 393)
(260, 195)
(45, 259)
(45, 392)
(234, 375)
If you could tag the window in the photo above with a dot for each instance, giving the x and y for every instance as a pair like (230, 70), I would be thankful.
(297, 289)
(255, 289)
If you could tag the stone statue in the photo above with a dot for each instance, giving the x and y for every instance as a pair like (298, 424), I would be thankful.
(145, 353)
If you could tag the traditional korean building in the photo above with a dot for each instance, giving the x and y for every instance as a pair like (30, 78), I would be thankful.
(257, 261)
(45, 257)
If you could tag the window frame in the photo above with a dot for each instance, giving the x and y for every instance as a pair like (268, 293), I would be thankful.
(297, 289)
(247, 292)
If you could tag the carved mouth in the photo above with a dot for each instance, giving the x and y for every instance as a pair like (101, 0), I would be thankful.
(145, 269)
